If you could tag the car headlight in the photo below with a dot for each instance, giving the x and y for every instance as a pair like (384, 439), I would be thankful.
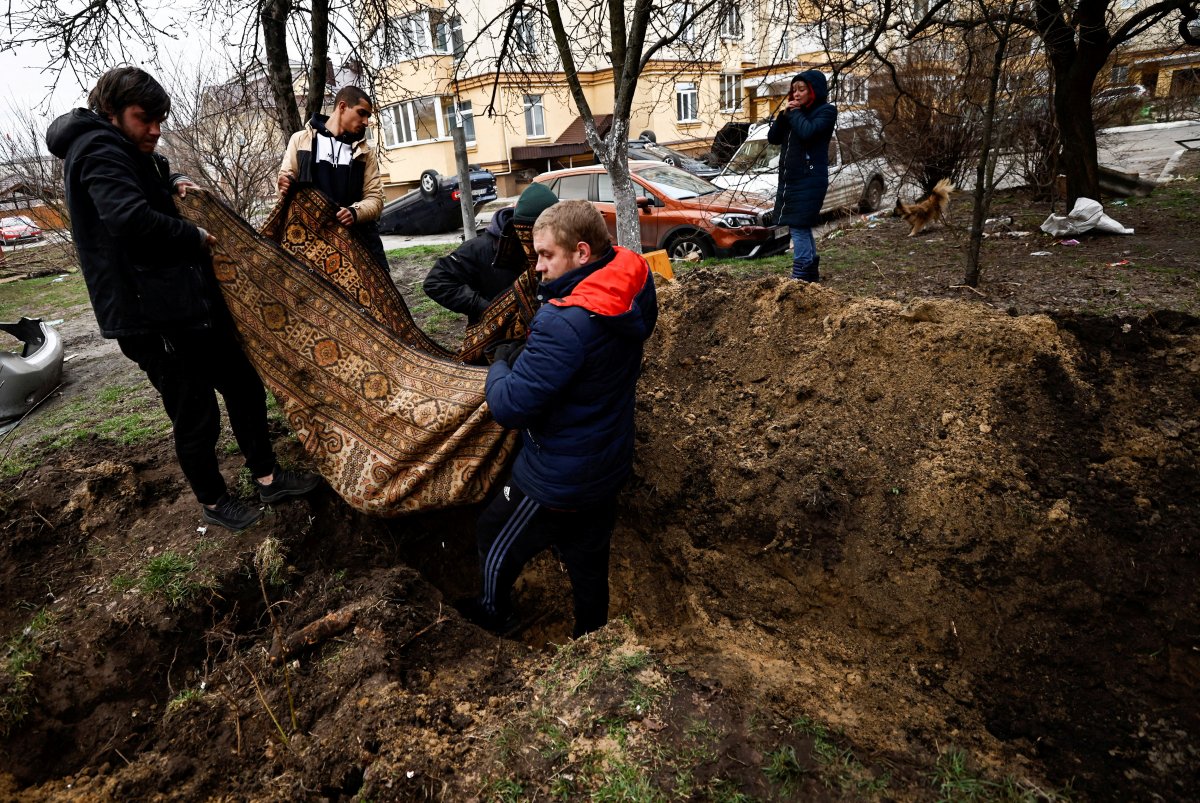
(734, 220)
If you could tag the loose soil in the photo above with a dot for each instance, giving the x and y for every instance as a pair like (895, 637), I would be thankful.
(887, 539)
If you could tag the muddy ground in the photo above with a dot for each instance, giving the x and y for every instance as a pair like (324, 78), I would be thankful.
(887, 539)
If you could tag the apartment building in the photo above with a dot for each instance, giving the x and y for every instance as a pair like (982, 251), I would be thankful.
(728, 64)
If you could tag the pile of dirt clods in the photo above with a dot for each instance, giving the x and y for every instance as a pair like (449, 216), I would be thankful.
(891, 528)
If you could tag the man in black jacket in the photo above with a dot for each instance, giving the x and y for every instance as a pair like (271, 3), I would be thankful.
(152, 288)
(480, 269)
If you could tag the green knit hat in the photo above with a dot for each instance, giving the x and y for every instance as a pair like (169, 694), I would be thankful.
(536, 199)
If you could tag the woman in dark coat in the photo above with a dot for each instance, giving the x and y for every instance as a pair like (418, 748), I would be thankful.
(803, 131)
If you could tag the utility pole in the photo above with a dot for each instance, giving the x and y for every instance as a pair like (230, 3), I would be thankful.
(464, 175)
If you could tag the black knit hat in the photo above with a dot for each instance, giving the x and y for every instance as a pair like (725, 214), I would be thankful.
(536, 199)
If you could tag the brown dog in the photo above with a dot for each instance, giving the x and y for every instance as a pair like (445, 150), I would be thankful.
(932, 207)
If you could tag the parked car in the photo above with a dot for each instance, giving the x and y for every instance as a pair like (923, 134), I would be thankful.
(644, 151)
(679, 212)
(856, 165)
(434, 206)
(1119, 105)
(19, 229)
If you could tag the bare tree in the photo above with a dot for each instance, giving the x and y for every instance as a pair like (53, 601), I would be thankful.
(224, 135)
(24, 164)
(1079, 36)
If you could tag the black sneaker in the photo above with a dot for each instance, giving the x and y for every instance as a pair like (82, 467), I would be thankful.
(473, 611)
(231, 513)
(287, 483)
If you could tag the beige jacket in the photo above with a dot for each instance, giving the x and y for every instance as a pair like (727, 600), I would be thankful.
(297, 161)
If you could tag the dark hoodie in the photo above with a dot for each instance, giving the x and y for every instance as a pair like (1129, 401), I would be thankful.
(804, 135)
(571, 391)
(468, 279)
(342, 183)
(145, 267)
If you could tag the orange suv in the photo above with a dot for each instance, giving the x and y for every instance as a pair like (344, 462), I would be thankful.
(679, 212)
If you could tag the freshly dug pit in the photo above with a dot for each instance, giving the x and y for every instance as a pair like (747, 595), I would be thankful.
(925, 525)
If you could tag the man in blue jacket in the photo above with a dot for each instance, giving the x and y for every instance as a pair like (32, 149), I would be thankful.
(150, 280)
(570, 390)
(803, 130)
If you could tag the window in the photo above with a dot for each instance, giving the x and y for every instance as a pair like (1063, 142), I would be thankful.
(684, 23)
(687, 103)
(731, 22)
(573, 188)
(468, 117)
(851, 89)
(1120, 74)
(414, 36)
(535, 116)
(731, 92)
(524, 32)
(411, 121)
(447, 35)
(845, 38)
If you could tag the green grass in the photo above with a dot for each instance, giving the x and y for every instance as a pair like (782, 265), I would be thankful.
(433, 318)
(118, 413)
(46, 297)
(422, 251)
(184, 699)
(18, 657)
(173, 576)
(955, 781)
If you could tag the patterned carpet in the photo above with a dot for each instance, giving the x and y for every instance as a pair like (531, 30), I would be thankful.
(394, 422)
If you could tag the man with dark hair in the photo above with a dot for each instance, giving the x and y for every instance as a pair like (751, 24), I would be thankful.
(482, 268)
(331, 153)
(150, 279)
(570, 390)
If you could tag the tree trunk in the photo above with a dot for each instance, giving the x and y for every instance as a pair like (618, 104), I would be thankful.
(629, 227)
(1077, 134)
(279, 72)
(317, 71)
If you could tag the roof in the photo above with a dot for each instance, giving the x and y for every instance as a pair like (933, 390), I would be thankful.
(570, 143)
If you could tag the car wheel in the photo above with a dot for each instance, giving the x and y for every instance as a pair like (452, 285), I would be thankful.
(671, 161)
(690, 247)
(430, 182)
(873, 196)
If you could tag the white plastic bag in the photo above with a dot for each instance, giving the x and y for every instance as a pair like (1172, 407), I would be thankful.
(1086, 215)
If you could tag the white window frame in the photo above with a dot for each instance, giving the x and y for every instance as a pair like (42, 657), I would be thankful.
(468, 115)
(535, 116)
(687, 100)
(398, 122)
(416, 36)
(852, 89)
(687, 33)
(731, 22)
(525, 33)
(732, 92)
(449, 30)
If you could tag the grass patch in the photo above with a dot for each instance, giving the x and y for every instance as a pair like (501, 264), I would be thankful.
(422, 252)
(46, 297)
(433, 318)
(839, 768)
(182, 700)
(118, 413)
(20, 654)
(955, 781)
(171, 575)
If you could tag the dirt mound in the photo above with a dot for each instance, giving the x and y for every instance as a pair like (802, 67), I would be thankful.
(860, 532)
(932, 521)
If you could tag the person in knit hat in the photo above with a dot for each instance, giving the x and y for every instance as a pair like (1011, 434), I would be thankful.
(466, 280)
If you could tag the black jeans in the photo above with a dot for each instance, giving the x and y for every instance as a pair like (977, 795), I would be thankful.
(514, 528)
(188, 368)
